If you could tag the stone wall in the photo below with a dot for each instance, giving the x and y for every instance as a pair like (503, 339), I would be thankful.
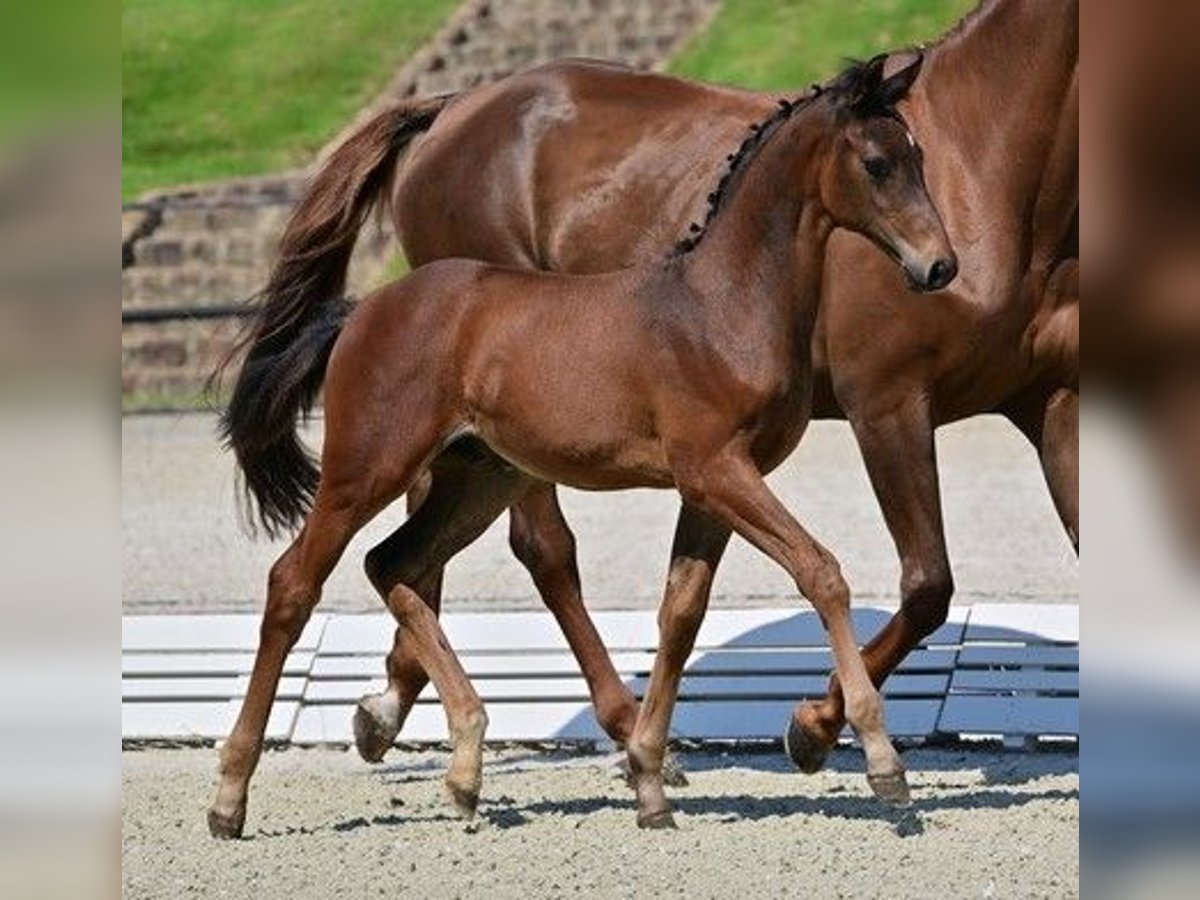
(206, 248)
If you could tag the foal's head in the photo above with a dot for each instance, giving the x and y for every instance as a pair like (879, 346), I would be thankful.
(871, 181)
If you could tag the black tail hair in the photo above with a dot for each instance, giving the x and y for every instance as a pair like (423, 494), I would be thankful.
(300, 313)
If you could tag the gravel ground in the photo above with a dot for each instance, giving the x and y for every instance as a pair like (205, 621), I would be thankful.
(552, 824)
(183, 551)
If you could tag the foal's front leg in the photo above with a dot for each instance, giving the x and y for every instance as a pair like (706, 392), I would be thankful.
(730, 489)
(699, 543)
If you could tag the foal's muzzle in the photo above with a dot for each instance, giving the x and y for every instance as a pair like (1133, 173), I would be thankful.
(939, 274)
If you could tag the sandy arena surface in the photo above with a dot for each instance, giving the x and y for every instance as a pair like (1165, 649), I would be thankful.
(552, 824)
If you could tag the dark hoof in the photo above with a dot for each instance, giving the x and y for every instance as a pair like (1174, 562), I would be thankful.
(227, 828)
(805, 750)
(672, 772)
(371, 736)
(657, 820)
(891, 788)
(464, 800)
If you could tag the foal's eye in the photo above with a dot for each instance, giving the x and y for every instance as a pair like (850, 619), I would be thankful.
(877, 167)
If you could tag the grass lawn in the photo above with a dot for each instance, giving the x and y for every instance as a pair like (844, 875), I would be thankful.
(216, 88)
(788, 44)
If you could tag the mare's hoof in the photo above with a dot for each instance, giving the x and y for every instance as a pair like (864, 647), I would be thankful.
(657, 820)
(891, 788)
(672, 773)
(372, 736)
(227, 828)
(805, 749)
(465, 800)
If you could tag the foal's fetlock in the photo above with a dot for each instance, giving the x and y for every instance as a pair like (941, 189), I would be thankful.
(465, 776)
(885, 772)
(646, 773)
(377, 721)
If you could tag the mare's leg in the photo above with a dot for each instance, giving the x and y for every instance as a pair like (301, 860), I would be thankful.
(898, 449)
(699, 543)
(730, 489)
(1051, 423)
(467, 489)
(541, 539)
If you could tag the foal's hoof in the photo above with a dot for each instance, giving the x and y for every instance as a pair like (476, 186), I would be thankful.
(227, 828)
(891, 788)
(465, 800)
(372, 734)
(804, 748)
(662, 819)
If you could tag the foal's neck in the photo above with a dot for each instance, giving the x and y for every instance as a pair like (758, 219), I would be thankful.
(764, 250)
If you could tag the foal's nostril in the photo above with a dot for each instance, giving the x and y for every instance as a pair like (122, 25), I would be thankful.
(941, 273)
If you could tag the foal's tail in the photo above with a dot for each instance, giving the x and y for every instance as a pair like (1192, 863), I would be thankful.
(301, 312)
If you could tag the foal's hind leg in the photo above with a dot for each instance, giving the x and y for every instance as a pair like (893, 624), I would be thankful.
(463, 500)
(465, 496)
(294, 587)
(361, 472)
(465, 718)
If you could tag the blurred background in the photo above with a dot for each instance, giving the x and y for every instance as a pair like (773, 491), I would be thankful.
(225, 104)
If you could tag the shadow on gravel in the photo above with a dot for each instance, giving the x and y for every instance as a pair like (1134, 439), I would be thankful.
(999, 766)
(505, 813)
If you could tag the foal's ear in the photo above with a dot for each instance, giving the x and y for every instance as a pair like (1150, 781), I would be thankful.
(895, 88)
(865, 93)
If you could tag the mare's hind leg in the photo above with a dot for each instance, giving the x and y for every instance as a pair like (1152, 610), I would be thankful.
(468, 490)
(294, 587)
(542, 540)
(698, 546)
(1050, 420)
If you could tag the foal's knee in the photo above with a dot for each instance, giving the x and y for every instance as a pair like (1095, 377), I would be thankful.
(925, 597)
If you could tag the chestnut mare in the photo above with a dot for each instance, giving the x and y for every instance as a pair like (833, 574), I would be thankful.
(692, 372)
(585, 167)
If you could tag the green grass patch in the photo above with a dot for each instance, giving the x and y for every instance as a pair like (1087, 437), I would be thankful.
(788, 44)
(218, 88)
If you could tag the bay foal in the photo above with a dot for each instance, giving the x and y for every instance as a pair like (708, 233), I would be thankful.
(691, 373)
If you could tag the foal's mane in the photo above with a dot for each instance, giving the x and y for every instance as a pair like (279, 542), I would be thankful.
(839, 86)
